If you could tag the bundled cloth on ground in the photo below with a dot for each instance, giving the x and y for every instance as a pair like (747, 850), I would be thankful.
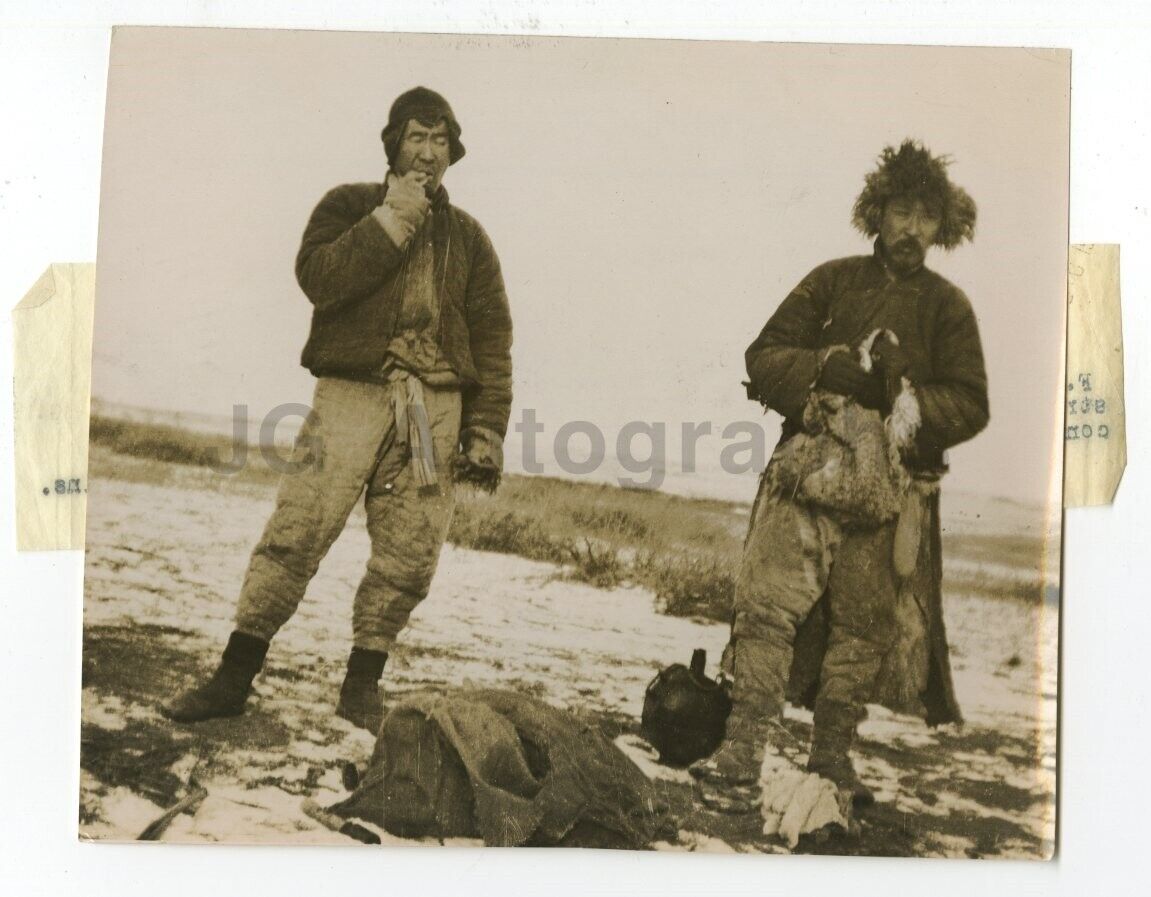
(506, 768)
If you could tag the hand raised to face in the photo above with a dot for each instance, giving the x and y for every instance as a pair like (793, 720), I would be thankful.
(406, 197)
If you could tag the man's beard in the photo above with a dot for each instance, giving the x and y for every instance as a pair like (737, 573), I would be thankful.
(904, 255)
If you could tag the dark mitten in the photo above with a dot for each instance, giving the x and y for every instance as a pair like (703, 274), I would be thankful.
(481, 476)
(481, 460)
(843, 375)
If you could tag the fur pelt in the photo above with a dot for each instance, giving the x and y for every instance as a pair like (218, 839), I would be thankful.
(913, 171)
(848, 460)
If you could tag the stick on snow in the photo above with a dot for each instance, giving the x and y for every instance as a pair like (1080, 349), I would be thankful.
(156, 828)
(339, 824)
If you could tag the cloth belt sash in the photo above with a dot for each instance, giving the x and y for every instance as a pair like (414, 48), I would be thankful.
(414, 430)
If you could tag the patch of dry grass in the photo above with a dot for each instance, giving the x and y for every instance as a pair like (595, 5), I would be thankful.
(683, 549)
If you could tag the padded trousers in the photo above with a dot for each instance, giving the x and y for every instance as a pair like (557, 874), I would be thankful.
(794, 555)
(350, 446)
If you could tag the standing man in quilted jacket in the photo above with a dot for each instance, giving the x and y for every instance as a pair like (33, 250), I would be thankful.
(829, 612)
(411, 345)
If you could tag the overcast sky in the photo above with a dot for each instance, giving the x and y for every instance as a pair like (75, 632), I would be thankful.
(652, 202)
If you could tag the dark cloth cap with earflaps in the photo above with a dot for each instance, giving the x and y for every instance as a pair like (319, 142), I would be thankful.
(427, 107)
(913, 171)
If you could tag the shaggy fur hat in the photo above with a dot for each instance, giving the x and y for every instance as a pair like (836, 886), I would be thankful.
(913, 171)
(425, 106)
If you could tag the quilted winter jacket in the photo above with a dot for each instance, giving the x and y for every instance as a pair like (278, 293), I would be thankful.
(840, 303)
(353, 274)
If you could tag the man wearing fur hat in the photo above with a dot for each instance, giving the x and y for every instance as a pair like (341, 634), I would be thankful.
(838, 600)
(411, 345)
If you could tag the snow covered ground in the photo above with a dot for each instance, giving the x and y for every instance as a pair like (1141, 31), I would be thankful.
(166, 554)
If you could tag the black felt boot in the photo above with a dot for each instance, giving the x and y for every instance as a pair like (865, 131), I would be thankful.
(360, 702)
(225, 693)
(832, 737)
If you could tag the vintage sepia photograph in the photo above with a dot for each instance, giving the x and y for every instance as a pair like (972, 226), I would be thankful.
(576, 442)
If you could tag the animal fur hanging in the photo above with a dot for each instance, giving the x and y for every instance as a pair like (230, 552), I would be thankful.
(848, 460)
(913, 171)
